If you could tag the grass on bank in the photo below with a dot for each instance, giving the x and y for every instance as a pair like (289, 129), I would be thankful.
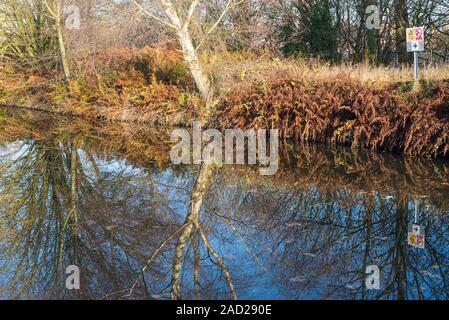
(123, 79)
(237, 69)
(374, 107)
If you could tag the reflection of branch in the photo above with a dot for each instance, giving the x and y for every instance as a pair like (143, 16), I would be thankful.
(219, 261)
(156, 252)
(177, 261)
(73, 185)
(198, 192)
(193, 222)
(196, 273)
(242, 239)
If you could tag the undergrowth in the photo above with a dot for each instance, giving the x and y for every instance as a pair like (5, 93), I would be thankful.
(361, 106)
(396, 118)
(150, 85)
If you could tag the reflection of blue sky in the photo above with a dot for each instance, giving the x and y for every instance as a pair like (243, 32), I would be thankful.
(8, 153)
(317, 249)
(13, 149)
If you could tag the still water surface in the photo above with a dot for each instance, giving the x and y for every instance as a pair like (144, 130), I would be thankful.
(110, 202)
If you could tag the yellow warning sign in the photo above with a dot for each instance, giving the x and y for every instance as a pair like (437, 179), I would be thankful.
(411, 34)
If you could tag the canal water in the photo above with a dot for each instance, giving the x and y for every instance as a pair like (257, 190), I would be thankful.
(107, 200)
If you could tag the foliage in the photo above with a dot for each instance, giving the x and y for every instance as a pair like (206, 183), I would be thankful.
(150, 85)
(27, 41)
(346, 112)
(315, 36)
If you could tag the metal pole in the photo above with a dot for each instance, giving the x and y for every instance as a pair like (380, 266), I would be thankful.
(416, 56)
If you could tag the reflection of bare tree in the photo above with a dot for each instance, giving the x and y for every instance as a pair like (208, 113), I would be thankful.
(322, 238)
(38, 181)
(190, 232)
(145, 229)
(59, 209)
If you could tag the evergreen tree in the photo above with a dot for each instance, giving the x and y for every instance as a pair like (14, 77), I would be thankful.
(312, 33)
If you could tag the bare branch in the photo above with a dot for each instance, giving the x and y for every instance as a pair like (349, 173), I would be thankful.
(166, 23)
(228, 7)
(190, 13)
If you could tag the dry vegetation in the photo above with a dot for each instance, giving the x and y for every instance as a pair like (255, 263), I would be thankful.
(149, 85)
(248, 67)
(395, 118)
(302, 166)
(137, 143)
(360, 173)
(309, 68)
(374, 107)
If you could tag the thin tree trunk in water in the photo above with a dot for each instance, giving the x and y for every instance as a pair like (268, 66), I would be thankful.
(74, 197)
(399, 263)
(201, 185)
(196, 266)
(73, 191)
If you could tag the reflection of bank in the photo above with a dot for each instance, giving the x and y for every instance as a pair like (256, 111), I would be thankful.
(416, 234)
(308, 232)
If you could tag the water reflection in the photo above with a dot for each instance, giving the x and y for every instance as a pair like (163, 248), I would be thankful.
(110, 202)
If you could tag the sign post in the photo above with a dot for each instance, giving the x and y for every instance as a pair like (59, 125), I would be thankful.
(416, 65)
(415, 44)
(416, 236)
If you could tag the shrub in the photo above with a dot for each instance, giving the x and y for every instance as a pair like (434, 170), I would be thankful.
(28, 41)
(345, 112)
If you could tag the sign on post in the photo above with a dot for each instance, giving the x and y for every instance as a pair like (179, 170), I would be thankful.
(415, 44)
(415, 39)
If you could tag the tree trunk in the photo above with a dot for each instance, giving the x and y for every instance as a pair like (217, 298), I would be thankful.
(182, 29)
(401, 21)
(198, 192)
(372, 35)
(64, 59)
(201, 79)
(399, 260)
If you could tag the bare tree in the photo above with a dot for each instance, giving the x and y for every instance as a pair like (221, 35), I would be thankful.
(56, 10)
(179, 17)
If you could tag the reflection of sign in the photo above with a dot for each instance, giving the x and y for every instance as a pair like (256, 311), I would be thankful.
(416, 237)
(416, 228)
(415, 39)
